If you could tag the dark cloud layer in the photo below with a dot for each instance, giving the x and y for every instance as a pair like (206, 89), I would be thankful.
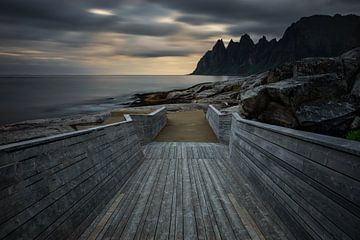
(52, 27)
(159, 53)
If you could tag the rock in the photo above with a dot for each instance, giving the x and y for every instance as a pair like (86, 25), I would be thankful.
(253, 81)
(254, 101)
(324, 117)
(319, 97)
(355, 91)
(295, 91)
(314, 94)
(278, 115)
(185, 95)
(282, 72)
(351, 62)
(318, 66)
(355, 123)
(202, 87)
(46, 127)
(205, 94)
(223, 100)
(315, 113)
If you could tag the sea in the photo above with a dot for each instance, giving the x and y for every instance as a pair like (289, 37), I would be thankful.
(35, 97)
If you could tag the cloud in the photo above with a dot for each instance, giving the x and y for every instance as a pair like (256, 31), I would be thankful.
(149, 29)
(158, 53)
(78, 32)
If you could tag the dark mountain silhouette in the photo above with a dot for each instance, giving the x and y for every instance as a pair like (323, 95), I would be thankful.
(315, 36)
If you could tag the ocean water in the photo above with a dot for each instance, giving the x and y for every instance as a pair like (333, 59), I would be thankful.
(33, 97)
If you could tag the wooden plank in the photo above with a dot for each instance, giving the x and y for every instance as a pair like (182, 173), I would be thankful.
(179, 222)
(150, 224)
(165, 214)
(148, 204)
(128, 229)
(222, 221)
(190, 224)
(235, 222)
(172, 228)
(250, 225)
(303, 194)
(212, 230)
(268, 220)
(129, 196)
(200, 218)
(126, 215)
(176, 198)
(100, 225)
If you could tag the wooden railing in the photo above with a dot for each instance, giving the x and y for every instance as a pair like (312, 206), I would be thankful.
(220, 123)
(55, 186)
(311, 181)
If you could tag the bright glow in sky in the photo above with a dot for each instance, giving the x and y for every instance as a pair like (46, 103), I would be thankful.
(100, 12)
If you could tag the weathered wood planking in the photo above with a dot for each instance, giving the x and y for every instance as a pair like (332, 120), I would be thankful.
(220, 123)
(54, 187)
(311, 181)
(148, 126)
(180, 192)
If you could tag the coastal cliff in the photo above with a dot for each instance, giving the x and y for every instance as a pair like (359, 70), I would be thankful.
(314, 36)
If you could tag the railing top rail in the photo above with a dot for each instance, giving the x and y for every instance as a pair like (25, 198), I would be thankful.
(340, 144)
(217, 111)
(157, 111)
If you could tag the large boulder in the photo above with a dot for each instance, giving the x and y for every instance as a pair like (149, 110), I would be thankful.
(285, 71)
(253, 101)
(318, 66)
(278, 114)
(351, 64)
(294, 91)
(315, 94)
(332, 116)
(355, 91)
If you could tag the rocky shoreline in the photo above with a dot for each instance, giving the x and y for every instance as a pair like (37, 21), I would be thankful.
(319, 95)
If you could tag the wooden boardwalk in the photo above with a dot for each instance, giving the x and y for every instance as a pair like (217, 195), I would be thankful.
(185, 191)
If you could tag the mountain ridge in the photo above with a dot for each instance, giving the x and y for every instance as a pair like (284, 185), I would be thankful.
(313, 36)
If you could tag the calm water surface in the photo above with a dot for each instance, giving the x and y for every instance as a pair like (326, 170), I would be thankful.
(25, 98)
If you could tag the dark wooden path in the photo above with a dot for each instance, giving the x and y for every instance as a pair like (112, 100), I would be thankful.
(185, 191)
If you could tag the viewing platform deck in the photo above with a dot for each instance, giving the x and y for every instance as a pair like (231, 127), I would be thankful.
(249, 181)
(183, 191)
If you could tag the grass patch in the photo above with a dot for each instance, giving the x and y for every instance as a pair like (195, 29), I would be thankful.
(353, 135)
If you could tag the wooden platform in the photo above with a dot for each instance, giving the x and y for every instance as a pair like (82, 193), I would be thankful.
(185, 191)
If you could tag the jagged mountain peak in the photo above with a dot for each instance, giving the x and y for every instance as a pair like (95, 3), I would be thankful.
(263, 39)
(220, 43)
(246, 40)
(314, 36)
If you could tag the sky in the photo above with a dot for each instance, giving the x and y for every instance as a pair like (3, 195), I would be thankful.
(138, 37)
